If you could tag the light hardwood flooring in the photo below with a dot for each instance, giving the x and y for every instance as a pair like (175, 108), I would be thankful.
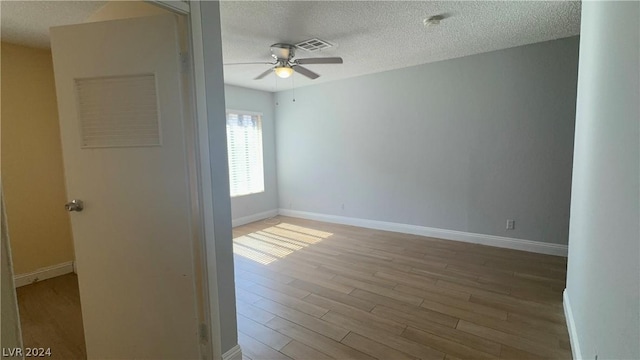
(311, 290)
(50, 317)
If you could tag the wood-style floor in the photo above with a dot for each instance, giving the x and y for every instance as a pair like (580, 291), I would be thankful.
(311, 290)
(50, 317)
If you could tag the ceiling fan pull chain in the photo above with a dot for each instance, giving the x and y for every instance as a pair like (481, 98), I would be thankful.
(293, 84)
(276, 80)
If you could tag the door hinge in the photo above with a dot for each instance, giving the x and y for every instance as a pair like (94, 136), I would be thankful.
(204, 333)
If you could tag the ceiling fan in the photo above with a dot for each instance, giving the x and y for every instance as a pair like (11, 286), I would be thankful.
(284, 63)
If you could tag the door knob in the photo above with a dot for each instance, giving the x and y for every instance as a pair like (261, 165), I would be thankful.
(74, 205)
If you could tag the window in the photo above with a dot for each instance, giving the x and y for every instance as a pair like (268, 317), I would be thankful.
(244, 142)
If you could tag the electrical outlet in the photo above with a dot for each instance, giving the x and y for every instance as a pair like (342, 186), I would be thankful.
(511, 224)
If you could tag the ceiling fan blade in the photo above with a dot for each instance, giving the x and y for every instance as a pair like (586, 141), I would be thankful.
(306, 72)
(269, 71)
(320, 60)
(250, 63)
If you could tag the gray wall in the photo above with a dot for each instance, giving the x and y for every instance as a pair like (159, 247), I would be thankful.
(461, 144)
(238, 98)
(604, 242)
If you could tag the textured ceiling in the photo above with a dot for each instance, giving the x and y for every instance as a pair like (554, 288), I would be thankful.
(375, 36)
(28, 22)
(371, 36)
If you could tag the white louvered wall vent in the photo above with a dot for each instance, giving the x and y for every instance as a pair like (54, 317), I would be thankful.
(118, 111)
(313, 45)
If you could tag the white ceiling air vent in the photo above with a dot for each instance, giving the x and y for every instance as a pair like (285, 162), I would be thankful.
(313, 45)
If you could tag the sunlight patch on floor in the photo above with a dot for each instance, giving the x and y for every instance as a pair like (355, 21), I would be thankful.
(304, 230)
(251, 254)
(276, 242)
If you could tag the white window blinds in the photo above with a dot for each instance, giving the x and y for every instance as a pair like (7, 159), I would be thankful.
(244, 142)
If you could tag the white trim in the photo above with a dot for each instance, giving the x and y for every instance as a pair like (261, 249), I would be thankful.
(177, 6)
(213, 346)
(200, 185)
(244, 112)
(255, 217)
(5, 246)
(43, 273)
(491, 240)
(571, 325)
(234, 354)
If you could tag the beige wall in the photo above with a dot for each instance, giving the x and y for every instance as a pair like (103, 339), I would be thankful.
(32, 170)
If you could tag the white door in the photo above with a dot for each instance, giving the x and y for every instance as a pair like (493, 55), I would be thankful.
(121, 118)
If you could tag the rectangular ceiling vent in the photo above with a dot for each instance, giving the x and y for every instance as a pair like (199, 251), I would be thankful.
(313, 45)
(118, 111)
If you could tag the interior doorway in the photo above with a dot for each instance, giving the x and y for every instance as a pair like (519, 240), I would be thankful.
(49, 297)
(34, 193)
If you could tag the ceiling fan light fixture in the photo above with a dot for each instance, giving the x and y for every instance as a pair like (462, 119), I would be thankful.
(283, 71)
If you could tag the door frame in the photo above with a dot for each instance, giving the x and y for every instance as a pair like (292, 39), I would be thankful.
(207, 86)
(211, 177)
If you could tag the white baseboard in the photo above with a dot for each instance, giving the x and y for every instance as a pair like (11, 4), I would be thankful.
(491, 240)
(571, 325)
(44, 273)
(255, 217)
(234, 354)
